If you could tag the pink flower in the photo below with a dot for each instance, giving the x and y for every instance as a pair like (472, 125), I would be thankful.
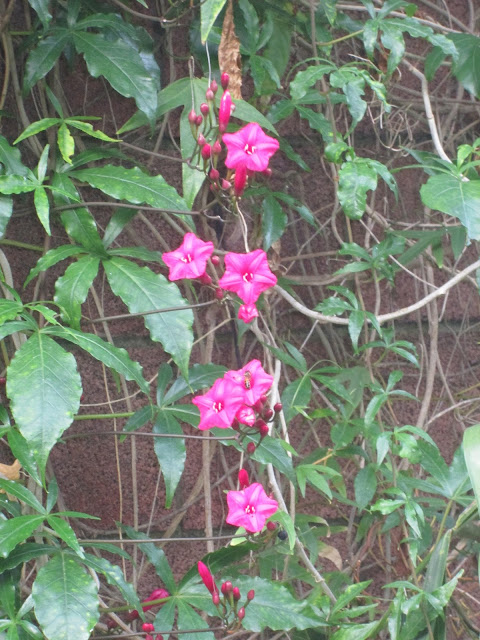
(207, 577)
(250, 507)
(246, 415)
(220, 404)
(249, 147)
(225, 111)
(247, 274)
(247, 312)
(190, 259)
(252, 379)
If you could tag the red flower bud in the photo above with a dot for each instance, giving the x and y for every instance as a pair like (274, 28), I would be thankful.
(111, 624)
(148, 626)
(258, 406)
(278, 407)
(224, 80)
(264, 430)
(192, 117)
(207, 577)
(241, 613)
(209, 95)
(216, 599)
(271, 526)
(225, 111)
(235, 425)
(155, 595)
(263, 398)
(217, 148)
(201, 140)
(219, 294)
(215, 260)
(133, 615)
(214, 86)
(267, 172)
(206, 151)
(214, 174)
(251, 447)
(243, 479)
(227, 587)
(268, 414)
(205, 279)
(199, 120)
(259, 423)
(251, 593)
(159, 636)
(149, 636)
(225, 184)
(240, 180)
(236, 594)
(204, 108)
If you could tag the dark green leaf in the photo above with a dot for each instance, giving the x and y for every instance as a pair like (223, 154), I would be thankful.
(37, 127)
(156, 556)
(318, 122)
(365, 486)
(115, 577)
(355, 180)
(72, 288)
(10, 158)
(9, 310)
(22, 494)
(164, 377)
(199, 377)
(356, 631)
(122, 66)
(171, 453)
(25, 552)
(22, 452)
(271, 451)
(137, 253)
(16, 530)
(41, 8)
(209, 13)
(42, 206)
(52, 257)
(65, 532)
(355, 325)
(6, 210)
(117, 224)
(142, 290)
(296, 397)
(114, 357)
(42, 59)
(66, 601)
(274, 221)
(44, 389)
(467, 67)
(307, 78)
(140, 419)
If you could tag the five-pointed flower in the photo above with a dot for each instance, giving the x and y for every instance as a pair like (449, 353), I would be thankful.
(253, 380)
(247, 274)
(250, 507)
(249, 147)
(220, 404)
(190, 259)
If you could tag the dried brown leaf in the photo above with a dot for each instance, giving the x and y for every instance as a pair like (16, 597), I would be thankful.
(229, 59)
(10, 471)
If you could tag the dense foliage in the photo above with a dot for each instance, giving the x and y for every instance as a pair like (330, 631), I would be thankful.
(316, 180)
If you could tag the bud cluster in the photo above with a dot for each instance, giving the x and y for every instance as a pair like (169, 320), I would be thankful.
(252, 420)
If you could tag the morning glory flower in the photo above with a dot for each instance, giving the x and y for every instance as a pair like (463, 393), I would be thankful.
(253, 380)
(190, 259)
(250, 507)
(249, 147)
(220, 404)
(247, 274)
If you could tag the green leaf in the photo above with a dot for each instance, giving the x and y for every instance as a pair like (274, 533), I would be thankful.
(467, 67)
(115, 577)
(117, 224)
(72, 288)
(450, 195)
(471, 451)
(22, 494)
(356, 178)
(6, 210)
(42, 206)
(355, 325)
(9, 310)
(44, 389)
(164, 377)
(16, 530)
(171, 453)
(137, 253)
(17, 184)
(208, 14)
(41, 8)
(156, 556)
(365, 486)
(356, 631)
(25, 552)
(22, 452)
(199, 377)
(122, 66)
(188, 618)
(66, 601)
(37, 127)
(318, 122)
(307, 78)
(10, 158)
(133, 186)
(192, 178)
(271, 451)
(87, 128)
(296, 397)
(142, 290)
(52, 257)
(274, 221)
(44, 56)
(114, 357)
(66, 143)
(65, 532)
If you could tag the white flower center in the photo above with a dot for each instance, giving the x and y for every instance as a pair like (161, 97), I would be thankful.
(250, 509)
(249, 150)
(217, 407)
(187, 258)
(247, 277)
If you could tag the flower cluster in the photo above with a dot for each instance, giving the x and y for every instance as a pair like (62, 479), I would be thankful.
(249, 507)
(234, 397)
(246, 274)
(227, 599)
(248, 150)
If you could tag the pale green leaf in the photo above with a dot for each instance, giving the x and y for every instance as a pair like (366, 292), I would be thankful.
(72, 288)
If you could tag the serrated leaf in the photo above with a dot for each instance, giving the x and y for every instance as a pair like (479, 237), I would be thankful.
(171, 453)
(44, 56)
(122, 66)
(72, 288)
(274, 221)
(66, 600)
(142, 290)
(114, 357)
(16, 530)
(52, 257)
(44, 388)
(133, 186)
(307, 78)
(115, 577)
(450, 195)
(209, 12)
(356, 179)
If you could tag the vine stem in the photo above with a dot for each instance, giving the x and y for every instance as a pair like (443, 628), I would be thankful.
(386, 317)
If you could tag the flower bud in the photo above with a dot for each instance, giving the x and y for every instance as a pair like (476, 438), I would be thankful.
(263, 430)
(236, 594)
(267, 172)
(207, 577)
(216, 599)
(243, 479)
(214, 86)
(147, 627)
(199, 120)
(214, 174)
(205, 279)
(206, 151)
(225, 111)
(133, 615)
(278, 407)
(268, 414)
(271, 526)
(246, 415)
(215, 260)
(148, 637)
(216, 148)
(227, 587)
(209, 95)
(224, 80)
(263, 398)
(258, 406)
(111, 624)
(159, 636)
(219, 294)
(192, 117)
(201, 140)
(259, 423)
(251, 593)
(235, 425)
(204, 108)
(240, 180)
(251, 447)
(241, 613)
(225, 184)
